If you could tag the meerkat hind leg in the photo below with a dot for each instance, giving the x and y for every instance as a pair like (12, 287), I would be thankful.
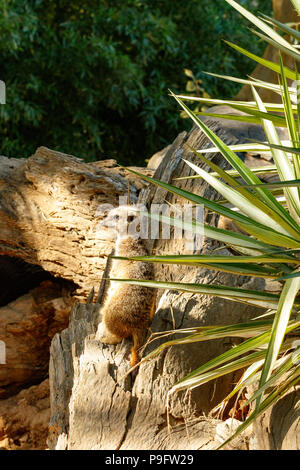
(111, 339)
(106, 336)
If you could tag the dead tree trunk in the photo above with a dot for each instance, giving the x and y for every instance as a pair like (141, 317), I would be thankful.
(51, 205)
(49, 211)
(278, 428)
(51, 251)
(93, 405)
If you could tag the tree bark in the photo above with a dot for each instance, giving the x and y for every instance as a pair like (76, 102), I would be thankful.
(51, 251)
(51, 206)
(278, 428)
(49, 211)
(93, 405)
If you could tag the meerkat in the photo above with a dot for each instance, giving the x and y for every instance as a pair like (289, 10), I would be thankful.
(127, 310)
(227, 224)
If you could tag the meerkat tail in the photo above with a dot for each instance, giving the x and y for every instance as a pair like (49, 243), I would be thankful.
(138, 337)
(135, 358)
(153, 308)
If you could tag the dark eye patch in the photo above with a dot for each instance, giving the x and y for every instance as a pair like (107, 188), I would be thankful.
(130, 218)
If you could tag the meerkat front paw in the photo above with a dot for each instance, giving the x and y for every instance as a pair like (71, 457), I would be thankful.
(105, 336)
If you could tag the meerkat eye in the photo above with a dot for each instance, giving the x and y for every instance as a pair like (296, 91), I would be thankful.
(116, 217)
(130, 218)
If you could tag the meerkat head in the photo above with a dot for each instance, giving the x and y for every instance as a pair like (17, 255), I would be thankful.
(123, 221)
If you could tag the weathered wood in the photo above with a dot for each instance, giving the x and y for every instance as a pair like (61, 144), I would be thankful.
(93, 405)
(94, 400)
(24, 419)
(47, 217)
(279, 427)
(104, 283)
(50, 208)
(27, 326)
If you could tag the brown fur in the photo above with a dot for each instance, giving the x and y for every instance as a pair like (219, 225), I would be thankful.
(228, 224)
(127, 309)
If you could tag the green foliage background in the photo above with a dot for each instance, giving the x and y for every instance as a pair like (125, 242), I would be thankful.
(91, 78)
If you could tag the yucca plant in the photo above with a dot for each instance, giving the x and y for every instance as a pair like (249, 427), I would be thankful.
(269, 246)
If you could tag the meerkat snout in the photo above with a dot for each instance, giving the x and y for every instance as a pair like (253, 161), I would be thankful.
(123, 221)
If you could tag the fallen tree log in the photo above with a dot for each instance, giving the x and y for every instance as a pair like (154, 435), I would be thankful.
(49, 223)
(93, 405)
(49, 213)
(51, 251)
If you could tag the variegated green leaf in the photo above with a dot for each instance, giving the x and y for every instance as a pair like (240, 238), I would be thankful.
(271, 399)
(256, 82)
(239, 105)
(286, 363)
(255, 119)
(291, 51)
(292, 127)
(249, 177)
(261, 25)
(221, 235)
(258, 298)
(263, 234)
(284, 167)
(267, 63)
(296, 4)
(283, 26)
(279, 328)
(253, 211)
